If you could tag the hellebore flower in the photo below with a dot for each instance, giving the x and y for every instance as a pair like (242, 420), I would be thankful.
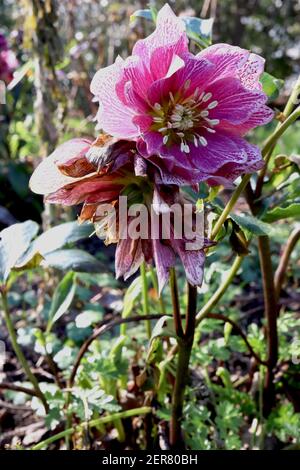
(96, 174)
(188, 113)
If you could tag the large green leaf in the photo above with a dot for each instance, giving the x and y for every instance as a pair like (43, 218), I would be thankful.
(293, 210)
(73, 260)
(132, 293)
(62, 298)
(200, 30)
(251, 224)
(147, 14)
(59, 236)
(14, 242)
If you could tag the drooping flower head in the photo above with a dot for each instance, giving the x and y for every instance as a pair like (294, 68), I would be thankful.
(95, 174)
(188, 114)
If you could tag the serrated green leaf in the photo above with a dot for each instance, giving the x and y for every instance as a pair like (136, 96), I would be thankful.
(271, 85)
(252, 224)
(62, 298)
(293, 210)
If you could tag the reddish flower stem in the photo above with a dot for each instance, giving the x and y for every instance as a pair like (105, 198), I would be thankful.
(185, 344)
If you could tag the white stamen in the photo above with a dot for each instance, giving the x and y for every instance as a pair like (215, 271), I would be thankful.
(203, 141)
(195, 141)
(176, 117)
(179, 107)
(213, 122)
(209, 129)
(165, 139)
(207, 97)
(201, 96)
(157, 106)
(212, 104)
(186, 148)
(204, 113)
(182, 146)
(180, 134)
(162, 129)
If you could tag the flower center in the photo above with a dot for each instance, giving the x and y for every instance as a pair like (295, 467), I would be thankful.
(183, 120)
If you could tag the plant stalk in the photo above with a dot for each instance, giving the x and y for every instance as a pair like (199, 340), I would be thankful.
(18, 351)
(271, 313)
(185, 344)
(145, 298)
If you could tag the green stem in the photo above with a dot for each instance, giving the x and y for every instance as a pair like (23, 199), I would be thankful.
(218, 294)
(18, 351)
(175, 303)
(271, 313)
(93, 423)
(185, 344)
(155, 285)
(145, 298)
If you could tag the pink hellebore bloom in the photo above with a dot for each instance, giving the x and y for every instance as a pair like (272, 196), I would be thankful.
(188, 113)
(95, 173)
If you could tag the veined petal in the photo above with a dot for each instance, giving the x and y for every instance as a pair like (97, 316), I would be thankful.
(47, 178)
(113, 116)
(235, 103)
(164, 259)
(170, 35)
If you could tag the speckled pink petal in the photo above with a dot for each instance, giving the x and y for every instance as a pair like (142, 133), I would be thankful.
(226, 58)
(129, 256)
(259, 118)
(251, 71)
(164, 259)
(235, 103)
(113, 116)
(193, 262)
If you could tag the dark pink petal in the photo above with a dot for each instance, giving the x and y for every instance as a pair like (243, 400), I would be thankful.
(135, 73)
(235, 103)
(230, 171)
(129, 256)
(259, 118)
(164, 259)
(113, 116)
(90, 190)
(195, 71)
(193, 262)
(226, 58)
